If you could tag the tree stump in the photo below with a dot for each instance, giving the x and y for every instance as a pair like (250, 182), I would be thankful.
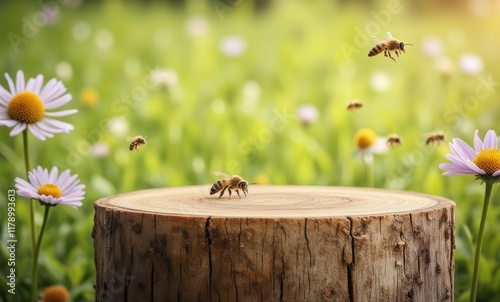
(281, 243)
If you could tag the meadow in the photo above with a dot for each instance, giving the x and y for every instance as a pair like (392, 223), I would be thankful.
(219, 86)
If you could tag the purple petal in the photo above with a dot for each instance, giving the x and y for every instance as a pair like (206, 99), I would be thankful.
(455, 169)
(490, 139)
(478, 144)
(474, 168)
(464, 148)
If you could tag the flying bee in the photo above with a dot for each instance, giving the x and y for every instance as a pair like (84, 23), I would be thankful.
(387, 45)
(393, 140)
(436, 137)
(136, 142)
(354, 104)
(228, 182)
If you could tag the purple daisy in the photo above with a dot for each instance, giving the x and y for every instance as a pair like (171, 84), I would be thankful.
(483, 160)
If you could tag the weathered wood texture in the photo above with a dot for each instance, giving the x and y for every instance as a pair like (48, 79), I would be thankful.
(281, 243)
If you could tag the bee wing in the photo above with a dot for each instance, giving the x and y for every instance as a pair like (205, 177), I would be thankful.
(133, 138)
(389, 35)
(221, 174)
(378, 39)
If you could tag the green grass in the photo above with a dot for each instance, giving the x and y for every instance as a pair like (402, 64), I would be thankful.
(209, 121)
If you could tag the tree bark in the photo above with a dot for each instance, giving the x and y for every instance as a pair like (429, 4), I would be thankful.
(281, 243)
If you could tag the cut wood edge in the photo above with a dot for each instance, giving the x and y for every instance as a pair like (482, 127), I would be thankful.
(270, 201)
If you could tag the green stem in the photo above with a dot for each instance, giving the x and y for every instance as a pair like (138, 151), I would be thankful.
(34, 286)
(32, 202)
(370, 172)
(477, 255)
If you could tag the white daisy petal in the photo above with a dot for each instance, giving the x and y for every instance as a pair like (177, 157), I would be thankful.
(62, 113)
(8, 123)
(38, 84)
(5, 97)
(38, 133)
(58, 102)
(20, 81)
(47, 90)
(53, 175)
(30, 84)
(68, 182)
(46, 129)
(11, 84)
(62, 125)
(18, 128)
(21, 183)
(56, 90)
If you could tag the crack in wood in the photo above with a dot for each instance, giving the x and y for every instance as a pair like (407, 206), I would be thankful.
(209, 243)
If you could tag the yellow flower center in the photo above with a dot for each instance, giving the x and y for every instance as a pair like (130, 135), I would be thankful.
(50, 190)
(365, 138)
(488, 160)
(26, 107)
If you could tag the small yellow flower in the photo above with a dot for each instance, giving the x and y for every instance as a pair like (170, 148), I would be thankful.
(55, 293)
(89, 97)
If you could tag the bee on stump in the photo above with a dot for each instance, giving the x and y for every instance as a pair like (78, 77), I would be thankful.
(136, 142)
(228, 182)
(387, 45)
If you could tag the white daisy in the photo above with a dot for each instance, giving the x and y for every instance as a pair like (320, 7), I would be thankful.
(25, 105)
(368, 143)
(52, 188)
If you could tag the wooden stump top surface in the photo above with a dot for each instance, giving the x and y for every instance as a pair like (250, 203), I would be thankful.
(268, 201)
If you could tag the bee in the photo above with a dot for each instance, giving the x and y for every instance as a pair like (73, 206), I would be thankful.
(436, 137)
(387, 45)
(354, 104)
(393, 140)
(228, 182)
(136, 142)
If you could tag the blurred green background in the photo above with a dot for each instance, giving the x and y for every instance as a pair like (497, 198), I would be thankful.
(219, 85)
